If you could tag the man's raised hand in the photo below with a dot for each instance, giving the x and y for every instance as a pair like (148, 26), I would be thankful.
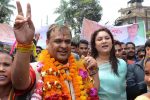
(23, 28)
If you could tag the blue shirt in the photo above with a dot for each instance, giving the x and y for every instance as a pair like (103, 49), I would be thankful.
(112, 87)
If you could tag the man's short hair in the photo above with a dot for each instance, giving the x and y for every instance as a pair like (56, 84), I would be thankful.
(74, 44)
(122, 43)
(141, 48)
(82, 41)
(130, 43)
(61, 28)
(39, 47)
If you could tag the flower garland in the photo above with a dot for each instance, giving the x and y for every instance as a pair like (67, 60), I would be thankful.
(52, 85)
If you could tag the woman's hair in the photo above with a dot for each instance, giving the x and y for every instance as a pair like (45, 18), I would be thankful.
(61, 28)
(147, 60)
(112, 58)
(7, 52)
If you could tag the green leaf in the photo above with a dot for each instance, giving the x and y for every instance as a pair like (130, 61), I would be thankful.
(73, 12)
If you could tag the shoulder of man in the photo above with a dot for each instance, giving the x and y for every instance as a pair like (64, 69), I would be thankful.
(139, 64)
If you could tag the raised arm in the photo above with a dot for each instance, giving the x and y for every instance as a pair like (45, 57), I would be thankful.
(24, 32)
(93, 70)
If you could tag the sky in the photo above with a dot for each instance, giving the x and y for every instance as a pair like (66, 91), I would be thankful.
(111, 7)
(43, 10)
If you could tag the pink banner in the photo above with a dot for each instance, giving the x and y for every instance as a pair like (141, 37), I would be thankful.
(7, 34)
(127, 33)
(88, 27)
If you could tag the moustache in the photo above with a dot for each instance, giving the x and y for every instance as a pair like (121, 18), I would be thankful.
(130, 52)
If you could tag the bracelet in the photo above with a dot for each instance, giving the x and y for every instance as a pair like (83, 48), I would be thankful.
(93, 71)
(24, 48)
(24, 45)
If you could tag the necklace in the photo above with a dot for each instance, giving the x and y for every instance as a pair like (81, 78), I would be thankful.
(52, 85)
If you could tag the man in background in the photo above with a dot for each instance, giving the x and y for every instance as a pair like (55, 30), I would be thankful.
(124, 51)
(131, 58)
(118, 49)
(135, 76)
(83, 48)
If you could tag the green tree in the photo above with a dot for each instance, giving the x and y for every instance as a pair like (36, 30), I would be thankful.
(6, 10)
(72, 12)
(62, 10)
(76, 38)
(148, 34)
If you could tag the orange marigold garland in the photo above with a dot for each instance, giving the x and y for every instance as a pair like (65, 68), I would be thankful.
(52, 85)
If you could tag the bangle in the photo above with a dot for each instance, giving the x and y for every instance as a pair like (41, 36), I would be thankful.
(93, 71)
(24, 45)
(24, 48)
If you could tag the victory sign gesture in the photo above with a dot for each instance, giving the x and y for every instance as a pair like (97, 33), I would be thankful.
(23, 28)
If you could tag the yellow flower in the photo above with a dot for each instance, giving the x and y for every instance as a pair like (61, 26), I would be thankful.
(82, 97)
(81, 87)
(83, 93)
(53, 75)
(80, 82)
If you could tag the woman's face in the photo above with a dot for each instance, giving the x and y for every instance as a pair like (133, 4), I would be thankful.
(103, 42)
(5, 69)
(147, 73)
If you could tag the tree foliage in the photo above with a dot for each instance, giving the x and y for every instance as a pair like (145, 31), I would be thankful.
(76, 38)
(148, 34)
(72, 12)
(6, 10)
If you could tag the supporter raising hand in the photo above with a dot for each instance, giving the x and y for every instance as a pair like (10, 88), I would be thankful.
(23, 28)
(24, 33)
(57, 54)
